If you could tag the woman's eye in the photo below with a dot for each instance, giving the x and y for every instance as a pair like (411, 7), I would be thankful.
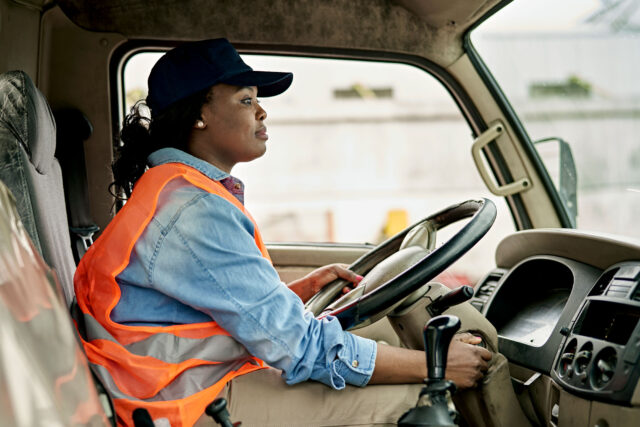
(247, 101)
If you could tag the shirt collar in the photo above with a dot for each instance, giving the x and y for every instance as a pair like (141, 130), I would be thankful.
(173, 155)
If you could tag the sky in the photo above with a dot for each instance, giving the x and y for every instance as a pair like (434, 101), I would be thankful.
(546, 15)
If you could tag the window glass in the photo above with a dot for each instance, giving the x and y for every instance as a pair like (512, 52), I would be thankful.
(356, 152)
(570, 70)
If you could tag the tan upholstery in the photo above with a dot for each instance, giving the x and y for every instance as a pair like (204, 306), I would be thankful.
(494, 402)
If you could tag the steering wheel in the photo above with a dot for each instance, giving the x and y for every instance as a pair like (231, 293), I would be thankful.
(401, 265)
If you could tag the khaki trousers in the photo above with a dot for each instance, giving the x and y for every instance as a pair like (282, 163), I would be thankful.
(261, 398)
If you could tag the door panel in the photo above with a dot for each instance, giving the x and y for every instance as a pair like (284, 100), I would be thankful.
(293, 261)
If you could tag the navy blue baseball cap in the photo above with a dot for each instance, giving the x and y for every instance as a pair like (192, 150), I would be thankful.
(194, 66)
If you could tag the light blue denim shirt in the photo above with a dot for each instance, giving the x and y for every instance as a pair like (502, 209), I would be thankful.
(197, 260)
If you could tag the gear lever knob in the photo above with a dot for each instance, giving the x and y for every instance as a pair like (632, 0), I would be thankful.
(437, 337)
(434, 410)
(218, 411)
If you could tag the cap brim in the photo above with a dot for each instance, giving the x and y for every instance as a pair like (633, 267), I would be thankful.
(269, 83)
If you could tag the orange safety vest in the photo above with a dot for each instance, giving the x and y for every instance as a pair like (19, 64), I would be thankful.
(172, 371)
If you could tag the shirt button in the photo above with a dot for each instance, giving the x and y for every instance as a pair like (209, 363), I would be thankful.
(237, 186)
(355, 363)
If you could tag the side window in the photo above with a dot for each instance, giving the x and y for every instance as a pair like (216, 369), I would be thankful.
(571, 75)
(356, 152)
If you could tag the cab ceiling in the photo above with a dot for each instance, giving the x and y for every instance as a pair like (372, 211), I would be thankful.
(429, 28)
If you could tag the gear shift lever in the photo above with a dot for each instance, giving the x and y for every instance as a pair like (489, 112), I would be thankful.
(432, 408)
(437, 337)
(218, 411)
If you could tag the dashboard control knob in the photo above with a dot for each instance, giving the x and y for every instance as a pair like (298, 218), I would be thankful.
(604, 368)
(565, 364)
(582, 360)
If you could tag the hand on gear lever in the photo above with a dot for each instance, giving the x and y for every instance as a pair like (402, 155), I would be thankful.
(437, 336)
(432, 408)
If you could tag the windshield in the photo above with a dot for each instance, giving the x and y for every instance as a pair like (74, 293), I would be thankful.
(570, 71)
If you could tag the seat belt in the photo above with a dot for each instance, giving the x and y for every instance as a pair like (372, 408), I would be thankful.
(73, 129)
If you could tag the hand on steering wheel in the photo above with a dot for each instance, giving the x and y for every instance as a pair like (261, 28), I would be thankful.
(397, 267)
(309, 285)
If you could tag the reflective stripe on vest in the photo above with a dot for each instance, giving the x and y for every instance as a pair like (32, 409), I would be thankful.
(172, 371)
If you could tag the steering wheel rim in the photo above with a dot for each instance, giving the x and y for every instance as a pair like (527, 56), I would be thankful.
(482, 213)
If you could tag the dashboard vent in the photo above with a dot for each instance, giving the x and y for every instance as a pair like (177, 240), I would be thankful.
(619, 288)
(486, 289)
(603, 282)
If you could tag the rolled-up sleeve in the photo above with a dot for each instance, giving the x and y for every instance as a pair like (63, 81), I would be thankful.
(209, 249)
(350, 359)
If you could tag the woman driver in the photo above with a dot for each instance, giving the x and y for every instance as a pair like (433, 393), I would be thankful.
(179, 300)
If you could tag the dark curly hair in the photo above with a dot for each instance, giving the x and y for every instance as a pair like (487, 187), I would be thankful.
(141, 135)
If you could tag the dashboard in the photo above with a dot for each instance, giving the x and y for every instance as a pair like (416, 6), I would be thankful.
(567, 304)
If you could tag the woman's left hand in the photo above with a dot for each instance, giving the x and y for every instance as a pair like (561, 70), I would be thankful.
(309, 285)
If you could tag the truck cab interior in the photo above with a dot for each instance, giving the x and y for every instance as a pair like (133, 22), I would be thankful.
(429, 144)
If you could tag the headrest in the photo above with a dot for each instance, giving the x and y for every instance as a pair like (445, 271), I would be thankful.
(71, 123)
(26, 113)
(73, 129)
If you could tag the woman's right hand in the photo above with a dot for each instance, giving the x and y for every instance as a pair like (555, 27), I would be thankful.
(466, 361)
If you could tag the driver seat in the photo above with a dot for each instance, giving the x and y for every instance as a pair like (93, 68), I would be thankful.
(32, 173)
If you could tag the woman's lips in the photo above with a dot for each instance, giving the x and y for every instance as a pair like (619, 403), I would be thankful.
(262, 133)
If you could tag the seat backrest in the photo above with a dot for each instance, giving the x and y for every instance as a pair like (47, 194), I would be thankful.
(32, 173)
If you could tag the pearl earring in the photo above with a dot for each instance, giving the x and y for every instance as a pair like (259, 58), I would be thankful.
(200, 124)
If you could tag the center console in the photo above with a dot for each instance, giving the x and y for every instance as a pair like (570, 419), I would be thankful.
(599, 357)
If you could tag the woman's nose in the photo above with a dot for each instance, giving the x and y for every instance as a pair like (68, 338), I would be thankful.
(261, 114)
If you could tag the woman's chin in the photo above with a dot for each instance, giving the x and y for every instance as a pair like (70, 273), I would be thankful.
(262, 149)
(257, 153)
